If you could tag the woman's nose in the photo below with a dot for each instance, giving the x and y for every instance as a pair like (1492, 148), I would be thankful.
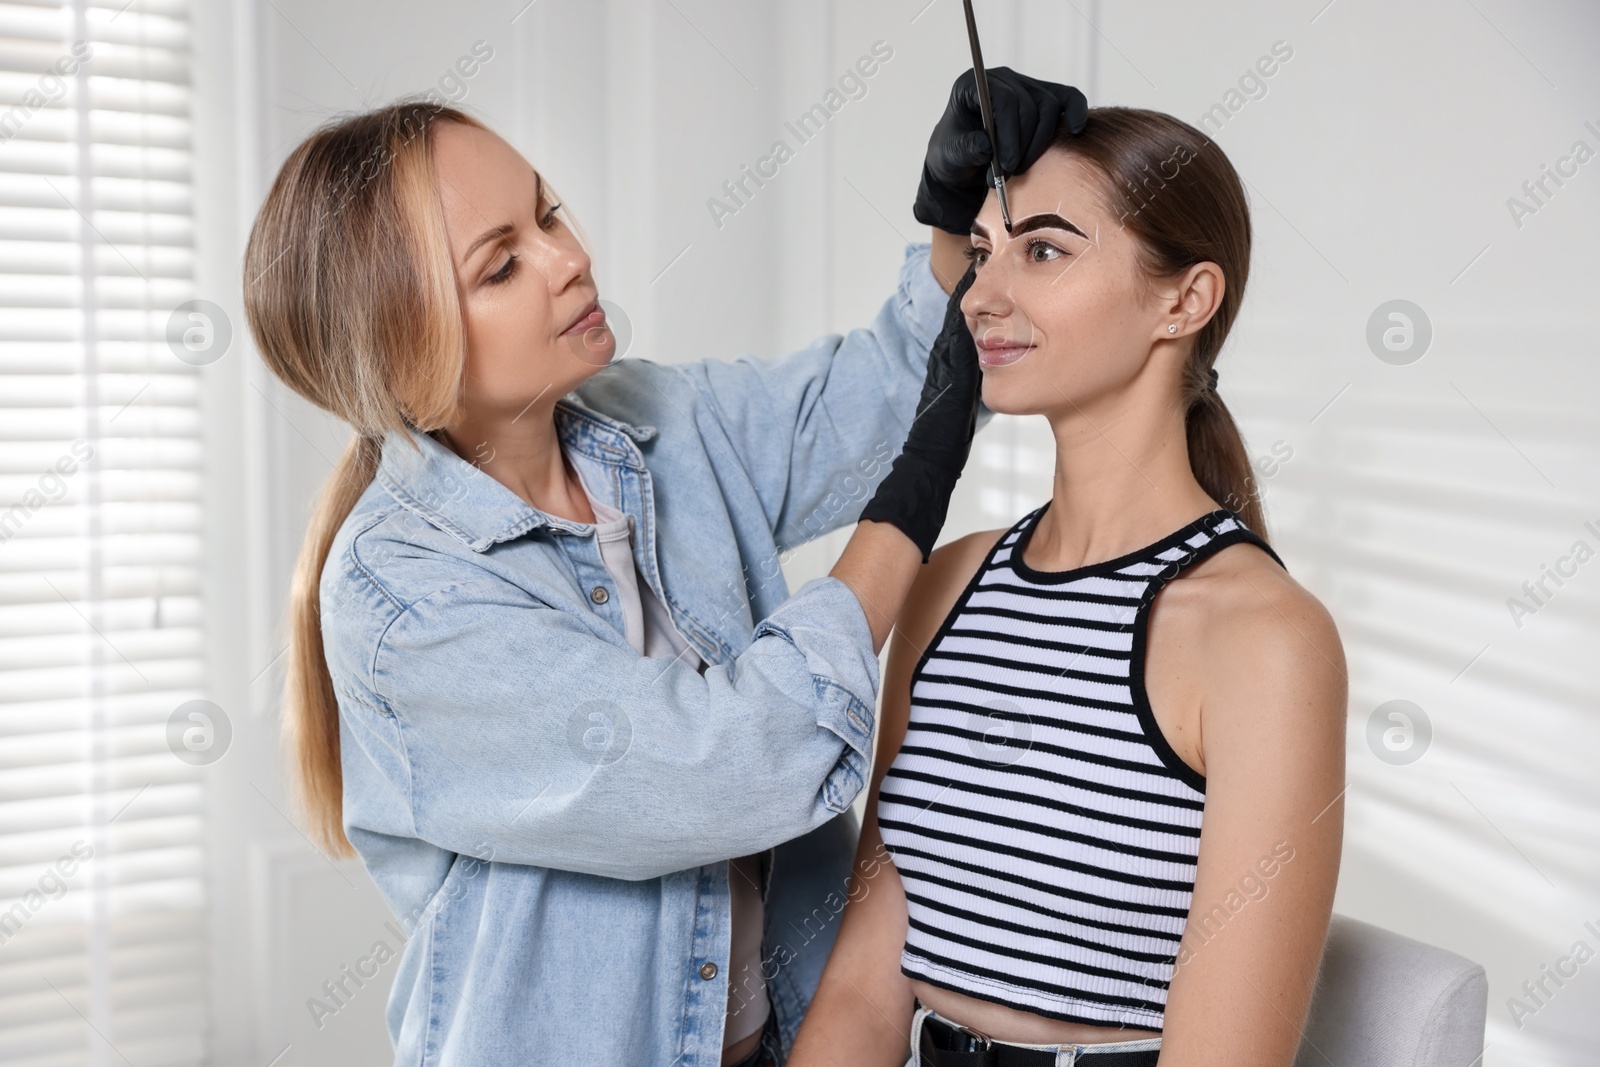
(562, 262)
(987, 296)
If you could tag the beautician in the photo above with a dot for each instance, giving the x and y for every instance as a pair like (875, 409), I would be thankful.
(545, 676)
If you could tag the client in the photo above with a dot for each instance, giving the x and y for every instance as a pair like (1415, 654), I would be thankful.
(1112, 746)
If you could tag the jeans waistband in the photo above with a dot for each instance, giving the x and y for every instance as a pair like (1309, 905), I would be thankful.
(1063, 1055)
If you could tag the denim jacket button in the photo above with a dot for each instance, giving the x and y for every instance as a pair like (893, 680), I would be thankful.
(599, 595)
(708, 970)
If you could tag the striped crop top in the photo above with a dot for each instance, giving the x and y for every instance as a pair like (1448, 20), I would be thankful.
(1045, 831)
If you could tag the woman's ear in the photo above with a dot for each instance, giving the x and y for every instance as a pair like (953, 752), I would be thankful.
(1191, 300)
(1199, 295)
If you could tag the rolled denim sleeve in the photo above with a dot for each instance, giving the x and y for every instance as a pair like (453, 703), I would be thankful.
(814, 429)
(844, 673)
(609, 764)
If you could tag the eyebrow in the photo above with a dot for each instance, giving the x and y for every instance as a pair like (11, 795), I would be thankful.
(504, 228)
(1034, 222)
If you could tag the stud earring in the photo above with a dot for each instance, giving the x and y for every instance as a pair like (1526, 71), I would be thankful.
(1172, 327)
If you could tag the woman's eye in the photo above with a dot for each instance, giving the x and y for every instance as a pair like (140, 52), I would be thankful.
(1036, 245)
(975, 254)
(549, 219)
(504, 273)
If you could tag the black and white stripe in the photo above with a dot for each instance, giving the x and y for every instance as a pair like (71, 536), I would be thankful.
(1046, 833)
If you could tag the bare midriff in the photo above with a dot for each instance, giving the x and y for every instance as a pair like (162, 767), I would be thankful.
(1001, 1023)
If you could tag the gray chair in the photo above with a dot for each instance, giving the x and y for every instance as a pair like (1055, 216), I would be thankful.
(1383, 1000)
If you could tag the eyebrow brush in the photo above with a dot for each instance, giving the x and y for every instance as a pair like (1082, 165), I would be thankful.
(987, 111)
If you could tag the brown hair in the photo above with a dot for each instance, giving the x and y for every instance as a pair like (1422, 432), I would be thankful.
(351, 298)
(1176, 192)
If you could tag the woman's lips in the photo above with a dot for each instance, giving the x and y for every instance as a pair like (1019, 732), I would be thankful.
(594, 319)
(1001, 354)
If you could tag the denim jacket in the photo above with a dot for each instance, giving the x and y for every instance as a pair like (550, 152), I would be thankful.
(549, 814)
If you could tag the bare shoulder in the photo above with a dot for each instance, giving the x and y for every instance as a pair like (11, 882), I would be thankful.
(1264, 645)
(1263, 603)
(937, 588)
(1254, 612)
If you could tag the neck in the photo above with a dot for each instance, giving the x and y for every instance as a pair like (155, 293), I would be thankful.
(1122, 481)
(524, 454)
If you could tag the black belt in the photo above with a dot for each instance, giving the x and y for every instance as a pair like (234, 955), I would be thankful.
(944, 1045)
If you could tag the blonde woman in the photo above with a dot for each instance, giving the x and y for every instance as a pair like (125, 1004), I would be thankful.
(546, 678)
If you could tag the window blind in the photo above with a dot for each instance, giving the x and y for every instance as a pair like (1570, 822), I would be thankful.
(102, 925)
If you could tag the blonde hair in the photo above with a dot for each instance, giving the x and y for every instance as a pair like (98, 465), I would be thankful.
(351, 297)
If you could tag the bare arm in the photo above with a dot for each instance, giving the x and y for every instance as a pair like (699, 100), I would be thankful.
(1273, 727)
(947, 258)
(880, 563)
(861, 1014)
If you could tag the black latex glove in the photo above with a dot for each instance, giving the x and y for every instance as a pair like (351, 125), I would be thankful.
(955, 172)
(915, 494)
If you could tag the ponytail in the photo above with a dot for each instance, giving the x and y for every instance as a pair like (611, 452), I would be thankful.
(351, 299)
(1218, 459)
(311, 711)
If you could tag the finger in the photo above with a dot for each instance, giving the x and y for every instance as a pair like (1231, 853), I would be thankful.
(1044, 130)
(1074, 107)
(1028, 116)
(1011, 111)
(1027, 122)
(964, 100)
(971, 149)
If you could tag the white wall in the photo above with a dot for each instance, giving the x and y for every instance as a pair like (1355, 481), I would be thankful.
(1379, 163)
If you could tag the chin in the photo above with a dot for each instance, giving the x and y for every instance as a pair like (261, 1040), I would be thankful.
(588, 352)
(1007, 392)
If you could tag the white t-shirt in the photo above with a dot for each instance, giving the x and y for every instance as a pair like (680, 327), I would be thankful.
(651, 633)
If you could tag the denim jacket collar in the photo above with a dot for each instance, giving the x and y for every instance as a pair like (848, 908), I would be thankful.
(476, 509)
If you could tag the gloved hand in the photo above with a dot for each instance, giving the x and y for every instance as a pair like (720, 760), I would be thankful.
(955, 172)
(915, 494)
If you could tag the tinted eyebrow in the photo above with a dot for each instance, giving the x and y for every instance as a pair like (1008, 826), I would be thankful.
(1034, 222)
(504, 228)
